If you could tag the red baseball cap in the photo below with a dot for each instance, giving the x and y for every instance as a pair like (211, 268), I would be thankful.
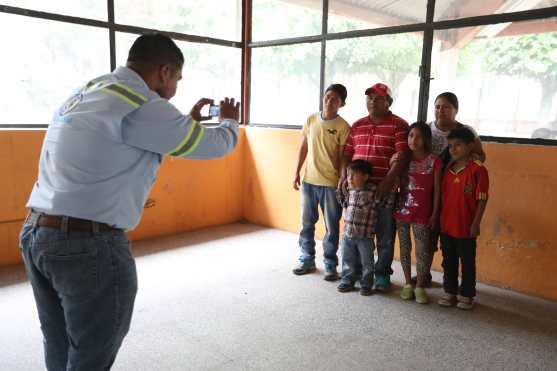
(380, 89)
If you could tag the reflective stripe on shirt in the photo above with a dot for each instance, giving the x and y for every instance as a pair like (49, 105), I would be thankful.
(128, 95)
(190, 141)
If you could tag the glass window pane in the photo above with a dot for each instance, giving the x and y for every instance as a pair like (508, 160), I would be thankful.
(285, 84)
(504, 75)
(94, 9)
(220, 19)
(348, 15)
(450, 9)
(47, 62)
(274, 19)
(361, 62)
(210, 71)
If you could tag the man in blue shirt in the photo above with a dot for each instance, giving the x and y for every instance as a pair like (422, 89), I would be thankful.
(99, 159)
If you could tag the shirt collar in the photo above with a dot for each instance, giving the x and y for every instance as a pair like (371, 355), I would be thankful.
(385, 118)
(459, 170)
(126, 73)
(326, 120)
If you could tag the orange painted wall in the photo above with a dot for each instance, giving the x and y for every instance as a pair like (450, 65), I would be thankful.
(19, 153)
(187, 194)
(517, 247)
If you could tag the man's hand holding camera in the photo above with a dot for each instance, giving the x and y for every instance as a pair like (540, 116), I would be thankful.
(228, 109)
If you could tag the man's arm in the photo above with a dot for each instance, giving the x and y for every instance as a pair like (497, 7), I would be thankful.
(339, 156)
(344, 161)
(159, 127)
(346, 154)
(387, 184)
(220, 140)
(402, 162)
(302, 154)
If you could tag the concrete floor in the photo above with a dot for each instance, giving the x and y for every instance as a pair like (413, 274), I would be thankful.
(225, 299)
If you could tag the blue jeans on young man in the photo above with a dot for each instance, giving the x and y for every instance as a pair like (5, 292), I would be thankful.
(357, 256)
(84, 285)
(314, 196)
(385, 230)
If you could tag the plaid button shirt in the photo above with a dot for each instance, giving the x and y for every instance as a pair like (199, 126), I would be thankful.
(360, 211)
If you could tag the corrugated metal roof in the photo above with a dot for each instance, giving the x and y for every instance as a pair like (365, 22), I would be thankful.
(408, 11)
(413, 11)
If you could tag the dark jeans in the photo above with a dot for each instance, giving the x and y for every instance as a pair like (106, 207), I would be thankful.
(385, 232)
(455, 251)
(84, 285)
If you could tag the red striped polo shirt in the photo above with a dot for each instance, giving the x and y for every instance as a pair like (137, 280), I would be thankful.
(376, 142)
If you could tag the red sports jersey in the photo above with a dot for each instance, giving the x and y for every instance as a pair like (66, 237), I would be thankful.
(376, 142)
(460, 192)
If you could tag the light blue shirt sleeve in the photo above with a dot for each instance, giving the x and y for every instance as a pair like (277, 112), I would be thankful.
(159, 127)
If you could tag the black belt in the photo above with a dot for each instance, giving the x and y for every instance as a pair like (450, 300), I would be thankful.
(72, 224)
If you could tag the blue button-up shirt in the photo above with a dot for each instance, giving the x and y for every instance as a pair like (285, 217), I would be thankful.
(104, 146)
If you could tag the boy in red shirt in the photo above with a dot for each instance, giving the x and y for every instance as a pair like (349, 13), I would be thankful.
(464, 197)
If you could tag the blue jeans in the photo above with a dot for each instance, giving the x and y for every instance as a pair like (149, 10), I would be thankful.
(325, 197)
(357, 256)
(84, 285)
(385, 230)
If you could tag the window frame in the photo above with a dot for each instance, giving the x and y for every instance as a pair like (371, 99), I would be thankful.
(112, 28)
(428, 28)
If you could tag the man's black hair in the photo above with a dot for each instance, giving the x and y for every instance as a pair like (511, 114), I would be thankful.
(463, 133)
(155, 49)
(339, 89)
(361, 166)
(426, 133)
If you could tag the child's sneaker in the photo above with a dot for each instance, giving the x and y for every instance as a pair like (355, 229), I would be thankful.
(382, 283)
(447, 300)
(345, 287)
(331, 274)
(407, 292)
(465, 303)
(366, 291)
(421, 296)
(304, 268)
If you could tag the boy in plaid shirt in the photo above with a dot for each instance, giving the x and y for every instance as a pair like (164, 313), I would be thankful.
(359, 212)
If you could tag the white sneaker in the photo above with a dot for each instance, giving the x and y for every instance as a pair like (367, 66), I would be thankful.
(447, 300)
(465, 303)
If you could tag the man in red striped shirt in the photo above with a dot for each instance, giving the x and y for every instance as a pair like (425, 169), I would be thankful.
(376, 138)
